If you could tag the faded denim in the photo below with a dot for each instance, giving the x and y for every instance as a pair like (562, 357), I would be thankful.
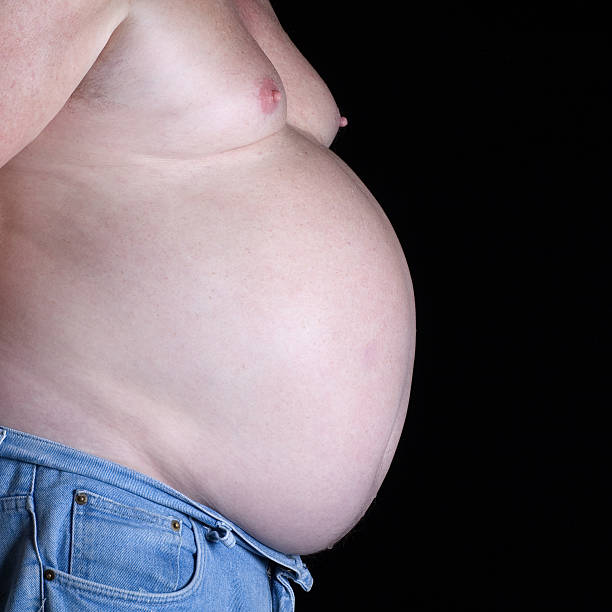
(80, 533)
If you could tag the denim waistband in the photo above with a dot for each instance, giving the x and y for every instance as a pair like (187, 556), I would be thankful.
(29, 448)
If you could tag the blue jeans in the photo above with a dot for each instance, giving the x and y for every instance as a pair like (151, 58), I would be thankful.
(78, 532)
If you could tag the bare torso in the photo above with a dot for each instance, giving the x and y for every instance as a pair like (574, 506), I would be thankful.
(194, 286)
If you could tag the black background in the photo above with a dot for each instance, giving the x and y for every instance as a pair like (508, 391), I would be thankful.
(484, 137)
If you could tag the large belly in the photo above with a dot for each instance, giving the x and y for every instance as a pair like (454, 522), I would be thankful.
(241, 328)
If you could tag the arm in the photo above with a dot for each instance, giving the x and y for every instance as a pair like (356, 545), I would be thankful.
(46, 48)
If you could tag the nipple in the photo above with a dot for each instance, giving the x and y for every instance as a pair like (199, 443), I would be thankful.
(343, 121)
(269, 96)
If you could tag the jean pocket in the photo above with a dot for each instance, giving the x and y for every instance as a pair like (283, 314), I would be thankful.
(16, 550)
(130, 548)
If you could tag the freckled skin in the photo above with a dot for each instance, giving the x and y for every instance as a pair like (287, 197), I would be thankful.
(244, 244)
(269, 96)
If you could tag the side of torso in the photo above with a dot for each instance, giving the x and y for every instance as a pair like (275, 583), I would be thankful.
(194, 288)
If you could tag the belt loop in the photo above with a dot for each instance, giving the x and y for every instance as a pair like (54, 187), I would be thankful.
(221, 533)
(2, 435)
(283, 597)
(301, 576)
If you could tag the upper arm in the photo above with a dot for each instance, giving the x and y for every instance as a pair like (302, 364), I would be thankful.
(46, 48)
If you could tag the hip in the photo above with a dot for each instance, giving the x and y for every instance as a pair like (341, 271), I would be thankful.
(81, 532)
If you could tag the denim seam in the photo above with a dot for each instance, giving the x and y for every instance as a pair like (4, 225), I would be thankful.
(73, 537)
(15, 503)
(178, 559)
(282, 578)
(32, 510)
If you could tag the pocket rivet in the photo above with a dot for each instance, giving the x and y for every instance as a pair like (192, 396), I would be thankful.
(49, 575)
(80, 498)
(176, 525)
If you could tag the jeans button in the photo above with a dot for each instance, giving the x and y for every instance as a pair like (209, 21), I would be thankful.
(80, 498)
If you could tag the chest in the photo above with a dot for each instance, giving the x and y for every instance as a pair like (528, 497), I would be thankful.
(203, 76)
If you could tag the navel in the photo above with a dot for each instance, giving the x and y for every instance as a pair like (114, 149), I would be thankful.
(343, 121)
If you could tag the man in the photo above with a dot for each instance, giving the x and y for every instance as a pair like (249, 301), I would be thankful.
(206, 320)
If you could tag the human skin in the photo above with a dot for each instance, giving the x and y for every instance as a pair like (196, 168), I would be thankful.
(192, 284)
